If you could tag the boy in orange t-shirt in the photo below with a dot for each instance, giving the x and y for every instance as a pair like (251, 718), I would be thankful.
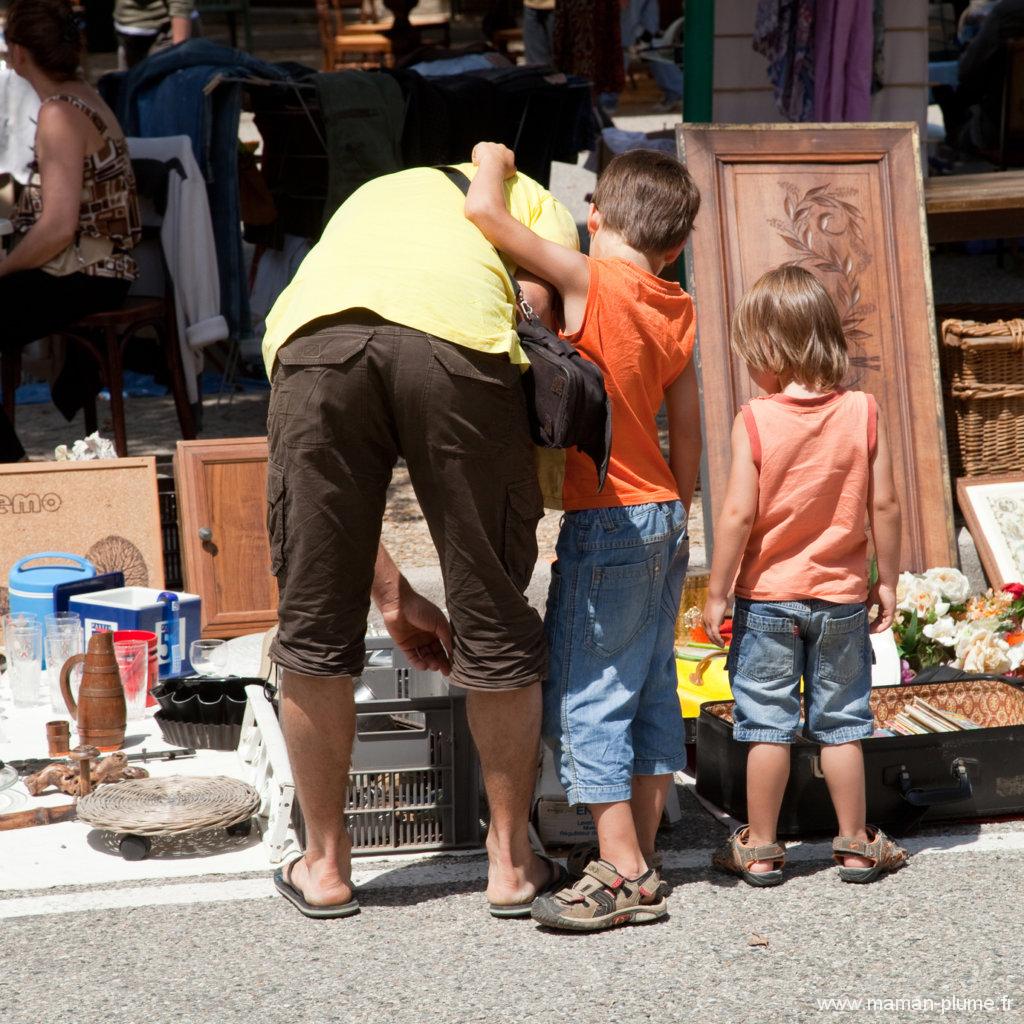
(611, 712)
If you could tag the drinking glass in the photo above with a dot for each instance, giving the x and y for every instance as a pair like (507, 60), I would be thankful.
(208, 657)
(133, 664)
(24, 648)
(19, 619)
(61, 645)
(59, 624)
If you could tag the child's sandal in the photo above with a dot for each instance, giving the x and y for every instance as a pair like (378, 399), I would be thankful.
(736, 857)
(887, 856)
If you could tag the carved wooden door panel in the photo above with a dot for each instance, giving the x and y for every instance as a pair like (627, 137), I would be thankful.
(222, 504)
(845, 202)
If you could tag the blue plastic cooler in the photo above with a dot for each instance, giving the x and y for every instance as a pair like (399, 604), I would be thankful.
(31, 584)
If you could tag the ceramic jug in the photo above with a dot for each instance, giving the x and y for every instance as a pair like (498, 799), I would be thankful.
(100, 712)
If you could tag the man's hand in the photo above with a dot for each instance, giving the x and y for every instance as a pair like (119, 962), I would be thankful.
(485, 152)
(420, 631)
(884, 596)
(713, 617)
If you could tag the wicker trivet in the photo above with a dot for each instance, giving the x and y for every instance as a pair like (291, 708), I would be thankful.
(171, 806)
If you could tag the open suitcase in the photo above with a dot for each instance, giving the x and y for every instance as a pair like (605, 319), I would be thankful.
(949, 776)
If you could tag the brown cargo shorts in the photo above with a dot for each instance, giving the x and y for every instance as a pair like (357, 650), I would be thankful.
(348, 400)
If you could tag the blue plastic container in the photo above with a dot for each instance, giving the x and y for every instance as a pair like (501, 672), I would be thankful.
(142, 608)
(32, 579)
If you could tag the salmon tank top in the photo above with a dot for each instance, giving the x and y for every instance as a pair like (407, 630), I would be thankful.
(813, 456)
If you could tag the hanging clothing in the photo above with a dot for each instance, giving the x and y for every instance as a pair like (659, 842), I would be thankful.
(108, 213)
(784, 33)
(844, 46)
(363, 115)
(189, 250)
(588, 42)
(182, 91)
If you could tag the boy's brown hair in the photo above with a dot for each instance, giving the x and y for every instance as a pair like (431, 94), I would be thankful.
(649, 199)
(787, 325)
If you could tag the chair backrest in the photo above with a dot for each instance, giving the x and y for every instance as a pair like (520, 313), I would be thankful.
(327, 23)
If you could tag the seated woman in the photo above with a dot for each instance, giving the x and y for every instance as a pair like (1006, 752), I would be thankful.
(78, 217)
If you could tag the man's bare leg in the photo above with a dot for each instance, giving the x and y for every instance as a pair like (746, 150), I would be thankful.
(506, 728)
(318, 721)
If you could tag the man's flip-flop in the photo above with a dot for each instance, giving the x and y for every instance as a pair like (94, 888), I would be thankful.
(559, 878)
(284, 886)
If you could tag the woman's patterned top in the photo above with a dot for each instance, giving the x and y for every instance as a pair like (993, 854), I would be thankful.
(110, 205)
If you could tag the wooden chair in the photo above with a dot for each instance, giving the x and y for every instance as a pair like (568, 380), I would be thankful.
(349, 46)
(103, 337)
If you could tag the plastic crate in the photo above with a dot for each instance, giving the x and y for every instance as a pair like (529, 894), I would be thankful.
(169, 536)
(414, 783)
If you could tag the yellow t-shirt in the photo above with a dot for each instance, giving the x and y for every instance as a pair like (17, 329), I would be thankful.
(401, 247)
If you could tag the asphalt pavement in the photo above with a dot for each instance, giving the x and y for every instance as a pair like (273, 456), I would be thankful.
(938, 941)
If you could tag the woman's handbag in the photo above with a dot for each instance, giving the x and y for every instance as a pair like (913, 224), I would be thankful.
(84, 252)
(565, 393)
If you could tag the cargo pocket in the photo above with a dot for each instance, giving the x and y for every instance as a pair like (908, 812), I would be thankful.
(471, 400)
(275, 516)
(766, 651)
(620, 605)
(524, 508)
(843, 648)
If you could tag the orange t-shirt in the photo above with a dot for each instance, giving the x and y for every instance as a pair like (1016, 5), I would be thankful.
(639, 330)
(813, 457)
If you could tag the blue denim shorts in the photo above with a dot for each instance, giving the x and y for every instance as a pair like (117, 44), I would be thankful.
(610, 705)
(774, 643)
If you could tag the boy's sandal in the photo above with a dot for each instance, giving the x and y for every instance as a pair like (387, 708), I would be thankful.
(603, 898)
(582, 855)
(736, 857)
(557, 878)
(887, 856)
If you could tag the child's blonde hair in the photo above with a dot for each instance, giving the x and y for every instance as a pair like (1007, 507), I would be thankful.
(787, 325)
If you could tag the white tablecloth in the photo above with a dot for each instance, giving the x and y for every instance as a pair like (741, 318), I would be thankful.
(71, 853)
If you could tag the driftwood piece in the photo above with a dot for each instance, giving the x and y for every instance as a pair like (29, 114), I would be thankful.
(111, 769)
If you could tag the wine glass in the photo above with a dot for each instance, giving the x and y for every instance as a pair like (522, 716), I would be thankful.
(208, 657)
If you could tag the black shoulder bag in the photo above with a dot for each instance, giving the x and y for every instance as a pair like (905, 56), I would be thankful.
(565, 394)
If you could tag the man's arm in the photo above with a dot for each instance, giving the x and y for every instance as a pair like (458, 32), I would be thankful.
(566, 269)
(884, 514)
(417, 625)
(181, 20)
(684, 440)
(732, 529)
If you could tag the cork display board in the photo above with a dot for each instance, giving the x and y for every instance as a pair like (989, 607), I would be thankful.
(105, 511)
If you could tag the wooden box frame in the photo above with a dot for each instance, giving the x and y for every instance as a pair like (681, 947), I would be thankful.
(106, 510)
(996, 559)
(204, 558)
(773, 194)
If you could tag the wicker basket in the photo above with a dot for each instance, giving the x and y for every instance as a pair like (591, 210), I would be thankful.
(983, 391)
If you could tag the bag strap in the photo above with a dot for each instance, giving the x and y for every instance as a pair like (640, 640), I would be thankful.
(462, 182)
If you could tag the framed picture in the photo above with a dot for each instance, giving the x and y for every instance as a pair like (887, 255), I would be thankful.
(844, 202)
(105, 511)
(994, 509)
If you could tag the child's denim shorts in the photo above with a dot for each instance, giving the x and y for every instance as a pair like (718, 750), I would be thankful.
(610, 705)
(774, 643)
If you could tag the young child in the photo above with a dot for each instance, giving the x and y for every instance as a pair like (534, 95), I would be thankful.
(611, 712)
(810, 462)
